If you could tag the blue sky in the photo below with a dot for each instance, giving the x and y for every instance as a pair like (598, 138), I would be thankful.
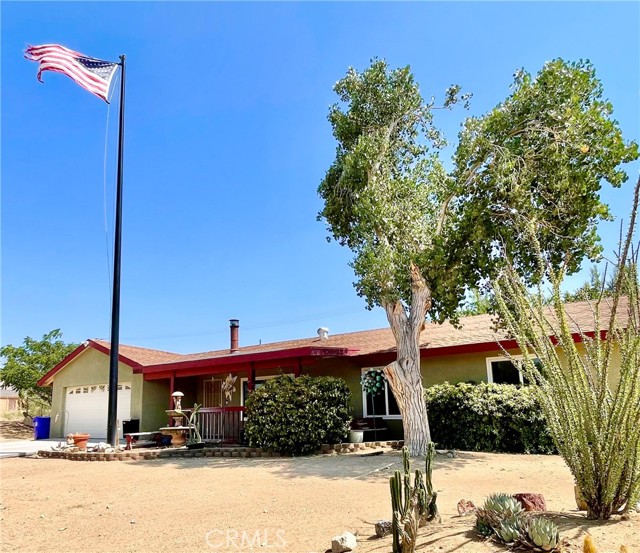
(226, 143)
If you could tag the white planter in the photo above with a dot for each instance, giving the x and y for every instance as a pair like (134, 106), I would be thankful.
(356, 436)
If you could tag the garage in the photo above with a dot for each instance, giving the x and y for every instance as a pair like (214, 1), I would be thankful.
(87, 406)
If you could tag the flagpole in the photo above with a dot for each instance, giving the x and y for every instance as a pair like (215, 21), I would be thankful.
(112, 423)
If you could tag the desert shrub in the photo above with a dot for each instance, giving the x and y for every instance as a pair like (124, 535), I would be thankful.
(487, 417)
(590, 392)
(297, 415)
(503, 518)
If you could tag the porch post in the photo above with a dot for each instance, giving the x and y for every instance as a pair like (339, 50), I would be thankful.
(172, 388)
(251, 377)
(298, 369)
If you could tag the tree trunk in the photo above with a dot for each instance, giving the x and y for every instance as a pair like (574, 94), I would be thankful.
(404, 375)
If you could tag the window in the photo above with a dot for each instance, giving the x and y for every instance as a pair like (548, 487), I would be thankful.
(501, 370)
(381, 405)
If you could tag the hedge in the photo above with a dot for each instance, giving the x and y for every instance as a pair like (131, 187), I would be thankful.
(297, 415)
(487, 417)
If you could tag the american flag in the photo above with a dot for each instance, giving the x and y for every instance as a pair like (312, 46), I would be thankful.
(90, 73)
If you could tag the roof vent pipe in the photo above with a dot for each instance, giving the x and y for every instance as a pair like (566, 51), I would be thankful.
(234, 327)
(323, 333)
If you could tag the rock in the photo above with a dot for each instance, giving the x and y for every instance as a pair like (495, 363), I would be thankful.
(451, 453)
(344, 542)
(383, 528)
(531, 501)
(466, 507)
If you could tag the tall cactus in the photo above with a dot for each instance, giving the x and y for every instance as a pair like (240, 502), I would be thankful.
(431, 512)
(413, 505)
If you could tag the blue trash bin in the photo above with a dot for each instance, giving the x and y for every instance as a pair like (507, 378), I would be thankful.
(41, 427)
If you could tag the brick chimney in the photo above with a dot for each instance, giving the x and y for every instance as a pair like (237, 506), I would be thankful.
(234, 327)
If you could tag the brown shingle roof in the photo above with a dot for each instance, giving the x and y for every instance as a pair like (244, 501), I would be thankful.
(477, 329)
(143, 356)
(473, 330)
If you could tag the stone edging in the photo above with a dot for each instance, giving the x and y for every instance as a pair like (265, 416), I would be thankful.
(353, 448)
(252, 452)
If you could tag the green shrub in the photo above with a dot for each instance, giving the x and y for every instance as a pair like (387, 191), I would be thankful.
(297, 415)
(487, 417)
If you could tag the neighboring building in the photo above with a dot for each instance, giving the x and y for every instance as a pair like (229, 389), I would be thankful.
(9, 400)
(147, 378)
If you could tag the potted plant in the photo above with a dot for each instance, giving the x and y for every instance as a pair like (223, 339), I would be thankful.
(80, 440)
(195, 439)
(356, 434)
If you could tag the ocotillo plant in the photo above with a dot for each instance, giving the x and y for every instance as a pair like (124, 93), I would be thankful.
(413, 505)
(589, 388)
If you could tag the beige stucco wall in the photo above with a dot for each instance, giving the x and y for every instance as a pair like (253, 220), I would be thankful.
(91, 367)
(614, 374)
(149, 399)
(435, 370)
(349, 372)
(155, 402)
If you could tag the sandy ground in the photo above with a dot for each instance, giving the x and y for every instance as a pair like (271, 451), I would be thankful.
(15, 430)
(280, 505)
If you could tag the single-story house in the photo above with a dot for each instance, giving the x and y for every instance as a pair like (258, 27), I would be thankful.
(9, 399)
(147, 377)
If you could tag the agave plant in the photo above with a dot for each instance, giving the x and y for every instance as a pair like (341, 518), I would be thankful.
(542, 534)
(510, 529)
(503, 504)
(483, 529)
(496, 508)
(503, 517)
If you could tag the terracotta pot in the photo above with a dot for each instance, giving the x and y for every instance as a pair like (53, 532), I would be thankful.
(80, 440)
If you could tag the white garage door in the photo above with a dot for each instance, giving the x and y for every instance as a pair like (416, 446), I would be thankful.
(87, 408)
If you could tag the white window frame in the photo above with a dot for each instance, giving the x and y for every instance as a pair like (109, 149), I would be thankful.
(501, 358)
(386, 399)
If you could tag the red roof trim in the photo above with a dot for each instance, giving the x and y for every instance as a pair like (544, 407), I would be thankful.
(80, 349)
(240, 358)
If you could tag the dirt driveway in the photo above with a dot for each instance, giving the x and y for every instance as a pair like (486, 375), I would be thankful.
(279, 505)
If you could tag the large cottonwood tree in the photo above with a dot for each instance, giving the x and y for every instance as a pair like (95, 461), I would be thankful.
(421, 234)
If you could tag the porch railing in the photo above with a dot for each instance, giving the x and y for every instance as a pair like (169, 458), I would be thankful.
(220, 424)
